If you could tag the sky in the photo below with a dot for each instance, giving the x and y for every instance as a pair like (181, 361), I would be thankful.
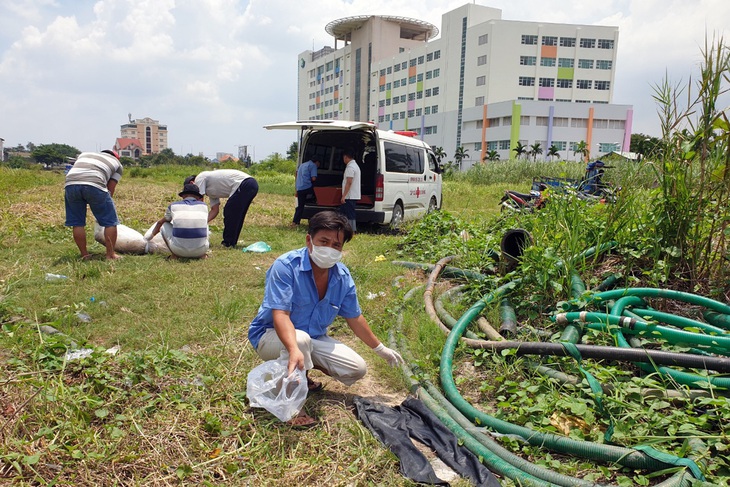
(216, 71)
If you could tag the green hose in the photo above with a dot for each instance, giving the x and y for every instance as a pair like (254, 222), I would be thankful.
(718, 319)
(680, 321)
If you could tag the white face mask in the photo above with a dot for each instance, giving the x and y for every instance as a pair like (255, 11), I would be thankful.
(324, 257)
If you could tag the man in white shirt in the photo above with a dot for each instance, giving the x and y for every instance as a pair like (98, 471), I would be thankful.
(351, 192)
(240, 189)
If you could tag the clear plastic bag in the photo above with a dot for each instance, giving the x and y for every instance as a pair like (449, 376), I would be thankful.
(270, 387)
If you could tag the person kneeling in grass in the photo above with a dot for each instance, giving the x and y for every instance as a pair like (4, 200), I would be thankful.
(184, 227)
(305, 290)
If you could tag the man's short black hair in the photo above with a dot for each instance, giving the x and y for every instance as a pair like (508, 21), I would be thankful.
(349, 152)
(330, 220)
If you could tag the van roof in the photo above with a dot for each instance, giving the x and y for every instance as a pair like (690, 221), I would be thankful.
(321, 125)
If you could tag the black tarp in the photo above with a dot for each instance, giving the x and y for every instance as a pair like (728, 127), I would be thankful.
(395, 426)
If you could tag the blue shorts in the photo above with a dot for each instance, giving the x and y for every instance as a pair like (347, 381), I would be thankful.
(101, 204)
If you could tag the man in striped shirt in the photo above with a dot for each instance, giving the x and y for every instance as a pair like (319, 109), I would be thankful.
(185, 225)
(92, 181)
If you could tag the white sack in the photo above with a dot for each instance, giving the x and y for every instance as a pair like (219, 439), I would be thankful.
(129, 240)
(157, 244)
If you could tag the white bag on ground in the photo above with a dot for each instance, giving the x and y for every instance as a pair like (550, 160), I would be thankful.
(270, 387)
(129, 240)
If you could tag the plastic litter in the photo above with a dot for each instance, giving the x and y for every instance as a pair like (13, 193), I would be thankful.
(257, 247)
(55, 277)
(83, 317)
(372, 296)
(270, 387)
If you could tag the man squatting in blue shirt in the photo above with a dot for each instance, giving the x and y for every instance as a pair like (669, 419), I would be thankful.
(305, 290)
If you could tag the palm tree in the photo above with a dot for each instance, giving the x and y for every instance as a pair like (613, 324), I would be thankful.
(582, 149)
(535, 150)
(491, 155)
(460, 155)
(439, 152)
(520, 149)
(552, 152)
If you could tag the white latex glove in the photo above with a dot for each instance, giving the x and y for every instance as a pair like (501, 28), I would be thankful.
(389, 355)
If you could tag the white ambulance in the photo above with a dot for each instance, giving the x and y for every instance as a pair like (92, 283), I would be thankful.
(401, 177)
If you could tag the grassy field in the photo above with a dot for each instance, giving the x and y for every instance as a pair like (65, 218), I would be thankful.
(170, 406)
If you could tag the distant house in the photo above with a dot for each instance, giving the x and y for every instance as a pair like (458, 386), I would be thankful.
(129, 148)
(223, 157)
(151, 136)
(2, 149)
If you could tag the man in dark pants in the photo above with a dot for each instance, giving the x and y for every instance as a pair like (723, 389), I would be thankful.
(306, 175)
(240, 189)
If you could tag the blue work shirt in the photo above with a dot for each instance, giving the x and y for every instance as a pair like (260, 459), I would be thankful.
(290, 287)
(306, 172)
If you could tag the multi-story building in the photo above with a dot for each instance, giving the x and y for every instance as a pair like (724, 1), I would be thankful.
(484, 84)
(151, 135)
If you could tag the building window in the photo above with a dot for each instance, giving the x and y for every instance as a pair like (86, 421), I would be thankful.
(403, 81)
(565, 83)
(382, 72)
(396, 100)
(560, 144)
(560, 121)
(477, 146)
(428, 92)
(566, 62)
(482, 60)
(396, 68)
(588, 43)
(411, 80)
(395, 116)
(387, 86)
(524, 120)
(404, 65)
(481, 80)
(434, 110)
(419, 77)
(381, 119)
(403, 98)
(437, 54)
(579, 123)
(526, 81)
(420, 59)
(585, 63)
(605, 43)
(483, 39)
(479, 101)
(547, 82)
(387, 102)
(419, 112)
(436, 72)
(429, 74)
(419, 95)
(529, 40)
(603, 85)
(389, 70)
(567, 42)
(411, 113)
(479, 124)
(387, 118)
(492, 145)
(429, 57)
(427, 111)
(507, 120)
(549, 41)
(493, 122)
(435, 91)
(528, 60)
(547, 61)
(381, 103)
(412, 62)
(604, 64)
(584, 84)
(541, 121)
(396, 83)
(504, 144)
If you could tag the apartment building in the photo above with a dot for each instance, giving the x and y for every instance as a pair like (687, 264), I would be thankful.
(151, 136)
(483, 84)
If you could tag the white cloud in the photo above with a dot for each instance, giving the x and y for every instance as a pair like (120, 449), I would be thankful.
(70, 71)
